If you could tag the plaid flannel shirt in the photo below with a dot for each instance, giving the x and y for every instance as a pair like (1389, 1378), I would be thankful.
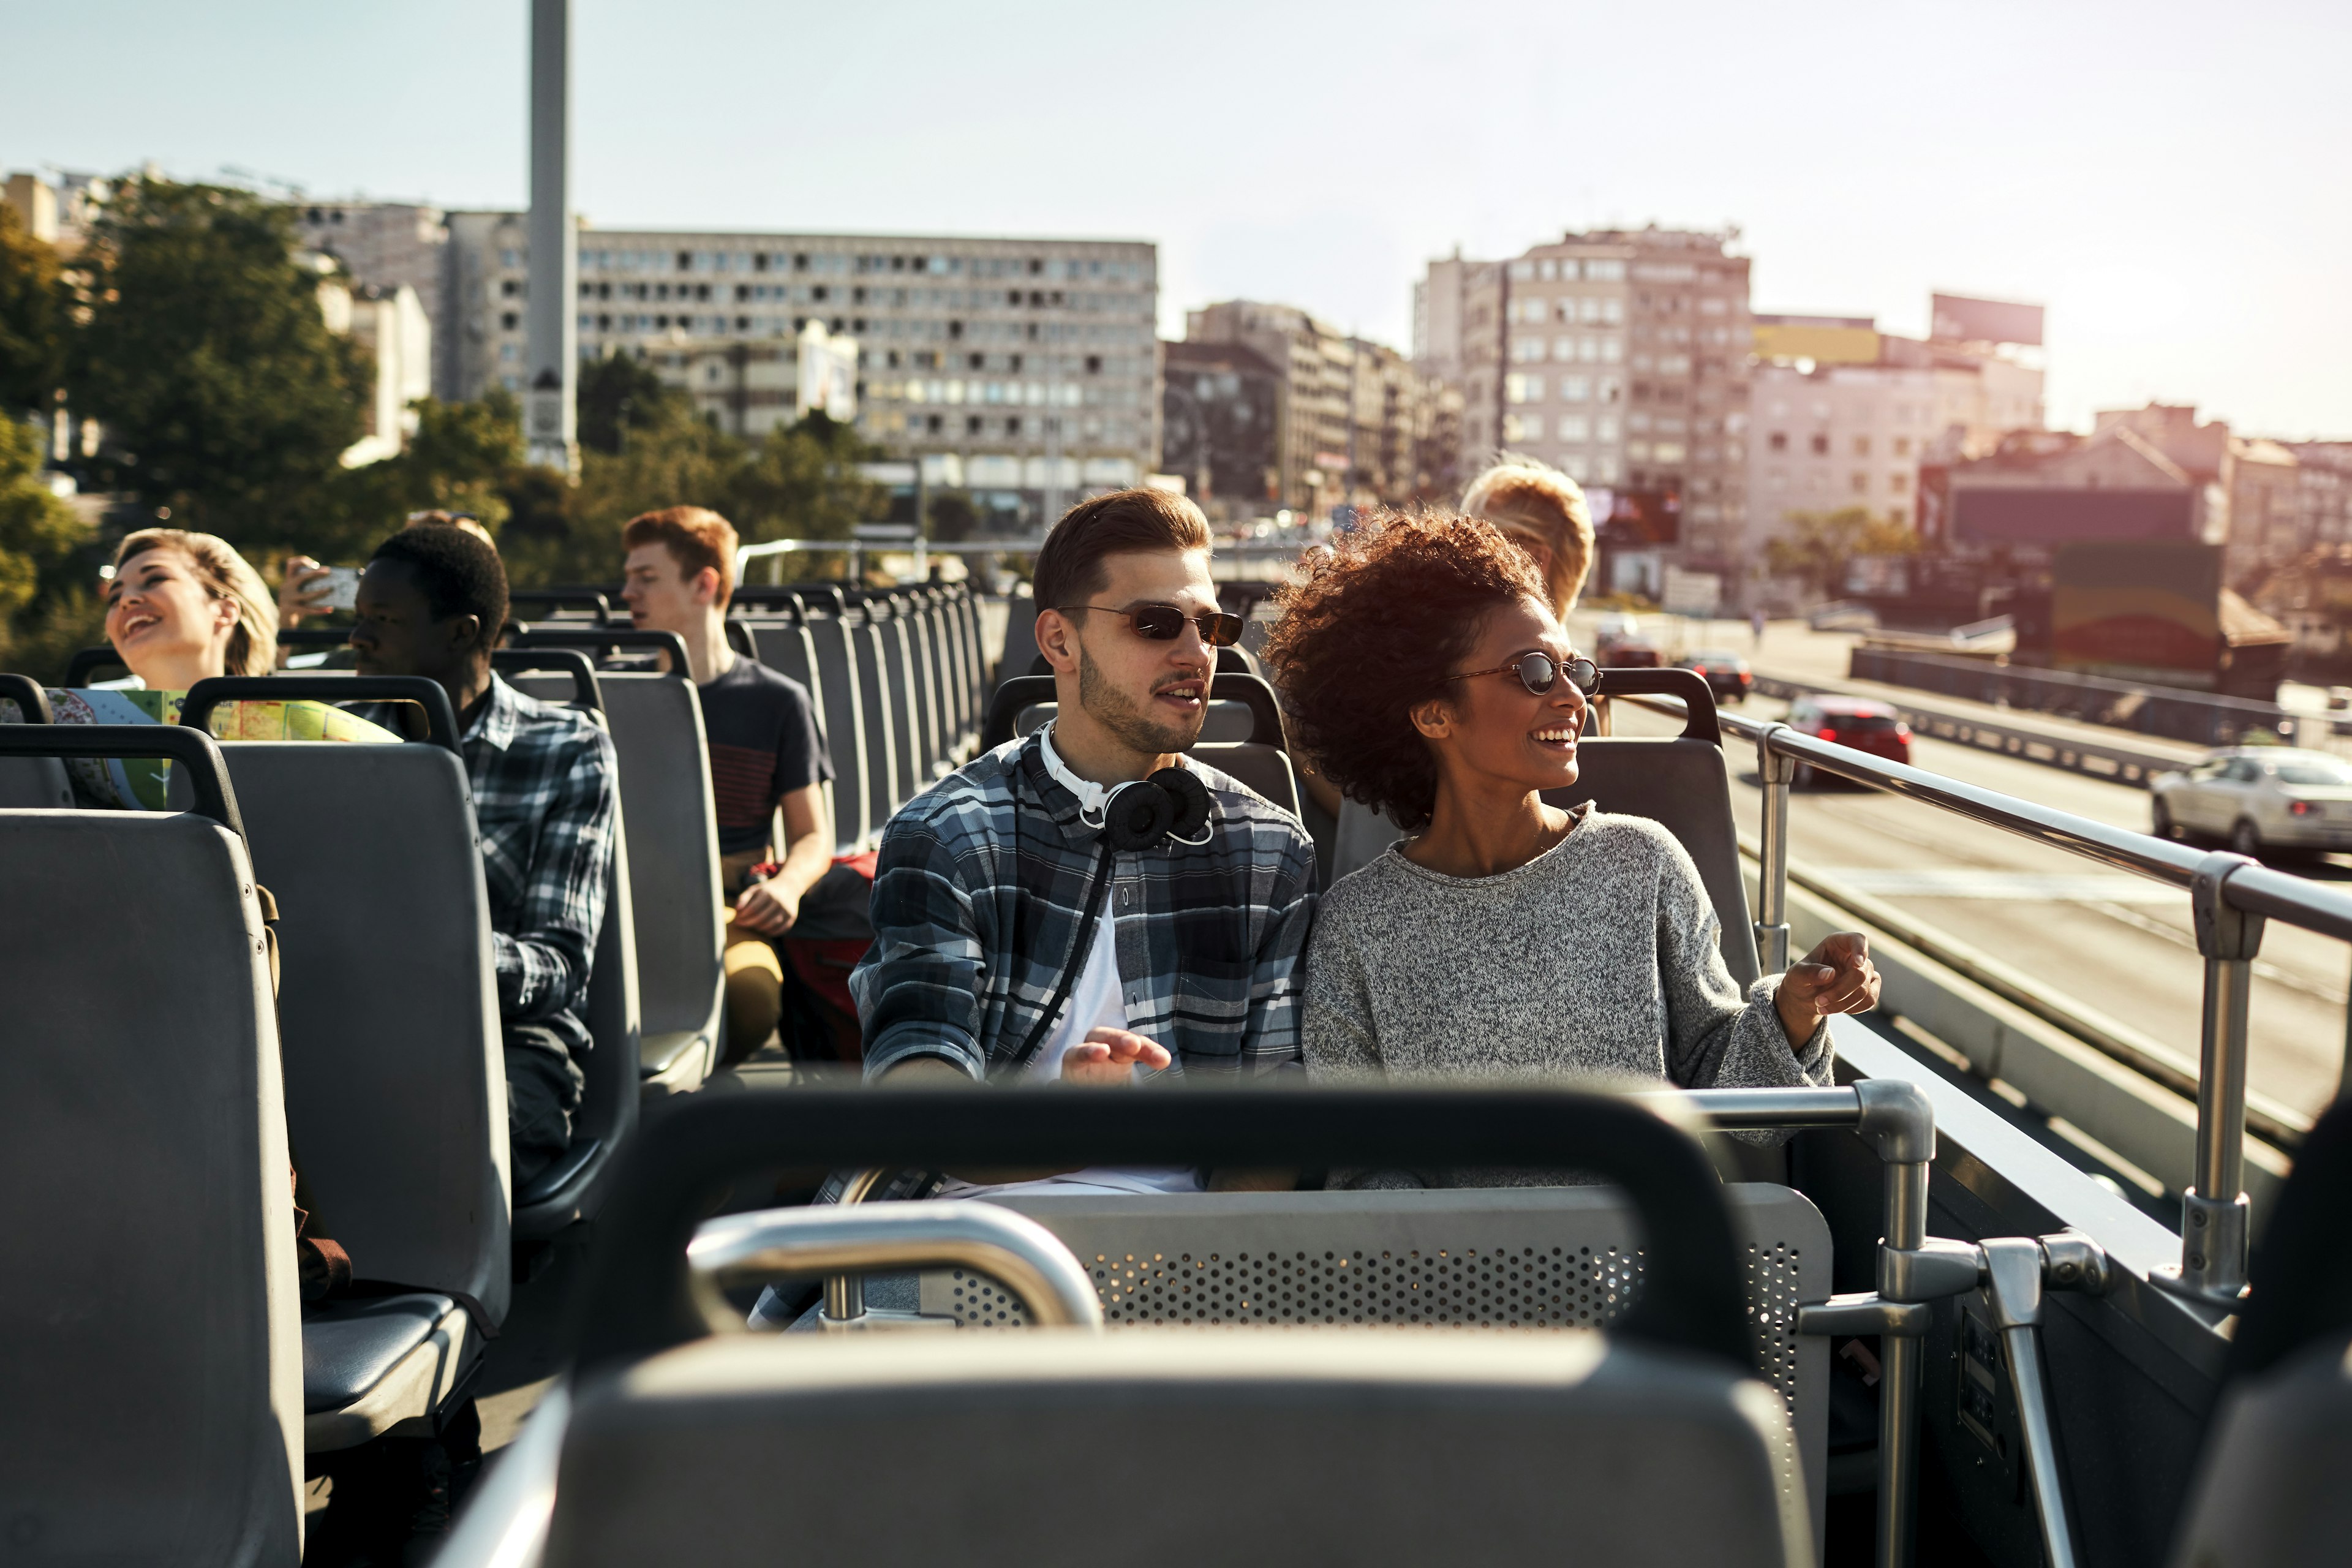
(977, 899)
(545, 801)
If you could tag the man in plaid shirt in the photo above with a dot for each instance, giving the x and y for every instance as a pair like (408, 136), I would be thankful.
(981, 894)
(432, 604)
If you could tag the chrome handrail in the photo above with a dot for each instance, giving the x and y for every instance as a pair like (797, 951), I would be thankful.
(1015, 1251)
(2230, 895)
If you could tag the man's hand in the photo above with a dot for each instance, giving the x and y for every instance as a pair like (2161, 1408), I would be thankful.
(768, 909)
(301, 589)
(1111, 1057)
(1837, 976)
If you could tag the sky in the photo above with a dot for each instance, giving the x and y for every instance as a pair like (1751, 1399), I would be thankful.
(2169, 179)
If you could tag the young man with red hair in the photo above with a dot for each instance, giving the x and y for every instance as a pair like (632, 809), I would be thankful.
(765, 753)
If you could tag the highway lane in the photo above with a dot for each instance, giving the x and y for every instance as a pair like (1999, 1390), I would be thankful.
(2109, 941)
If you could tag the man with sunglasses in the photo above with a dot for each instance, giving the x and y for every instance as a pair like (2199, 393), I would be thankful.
(1013, 941)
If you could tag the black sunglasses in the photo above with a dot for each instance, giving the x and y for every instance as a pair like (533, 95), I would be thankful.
(1538, 672)
(1165, 623)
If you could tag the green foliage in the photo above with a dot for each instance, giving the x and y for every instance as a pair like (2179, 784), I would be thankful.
(34, 322)
(459, 459)
(617, 393)
(48, 606)
(1819, 544)
(205, 354)
(953, 517)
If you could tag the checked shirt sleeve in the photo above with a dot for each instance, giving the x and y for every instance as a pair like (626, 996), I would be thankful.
(543, 965)
(917, 988)
(1270, 1039)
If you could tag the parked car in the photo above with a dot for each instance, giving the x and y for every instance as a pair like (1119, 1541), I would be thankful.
(2257, 798)
(1617, 643)
(1726, 673)
(1860, 722)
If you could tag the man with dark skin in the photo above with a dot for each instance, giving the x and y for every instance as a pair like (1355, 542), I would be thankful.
(431, 603)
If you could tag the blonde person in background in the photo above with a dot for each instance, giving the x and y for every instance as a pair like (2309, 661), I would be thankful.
(182, 608)
(1542, 512)
(302, 582)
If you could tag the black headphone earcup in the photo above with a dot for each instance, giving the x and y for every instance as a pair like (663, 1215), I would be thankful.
(1190, 798)
(1137, 815)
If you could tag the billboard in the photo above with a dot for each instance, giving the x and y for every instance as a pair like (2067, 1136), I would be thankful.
(1636, 519)
(828, 373)
(2137, 611)
(1822, 340)
(1955, 319)
(2020, 514)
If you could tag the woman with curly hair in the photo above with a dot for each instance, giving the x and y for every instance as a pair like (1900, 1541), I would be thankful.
(1427, 675)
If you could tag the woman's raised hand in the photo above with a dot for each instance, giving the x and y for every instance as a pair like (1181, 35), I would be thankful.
(1837, 976)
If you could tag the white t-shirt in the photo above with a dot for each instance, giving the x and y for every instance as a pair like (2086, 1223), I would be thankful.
(1095, 1002)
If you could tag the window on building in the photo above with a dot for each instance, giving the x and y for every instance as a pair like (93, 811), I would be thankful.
(1859, 482)
(1862, 445)
(1668, 451)
(1094, 363)
(1575, 427)
(975, 362)
(1603, 270)
(1778, 441)
(1521, 388)
(1902, 446)
(508, 320)
(1897, 514)
(1523, 271)
(1821, 446)
(1604, 428)
(1574, 389)
(1589, 310)
(1517, 427)
(1898, 483)
(1612, 349)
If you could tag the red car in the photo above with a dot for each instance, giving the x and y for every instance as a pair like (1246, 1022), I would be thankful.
(1860, 722)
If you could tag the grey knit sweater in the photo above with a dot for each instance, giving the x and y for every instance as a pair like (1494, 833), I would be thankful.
(1596, 958)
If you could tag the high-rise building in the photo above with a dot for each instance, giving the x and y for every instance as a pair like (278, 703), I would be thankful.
(1218, 404)
(1619, 356)
(1024, 372)
(1356, 423)
(389, 246)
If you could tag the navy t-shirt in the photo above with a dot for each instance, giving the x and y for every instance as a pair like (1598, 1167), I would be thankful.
(761, 731)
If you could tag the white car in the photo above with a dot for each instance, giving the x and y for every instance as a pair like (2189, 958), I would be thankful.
(2258, 798)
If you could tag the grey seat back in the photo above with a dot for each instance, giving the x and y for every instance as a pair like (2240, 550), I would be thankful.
(1683, 785)
(787, 647)
(974, 674)
(1508, 1258)
(919, 626)
(1266, 769)
(878, 724)
(948, 653)
(2270, 1493)
(151, 1390)
(1020, 650)
(573, 1188)
(902, 682)
(388, 1003)
(842, 712)
(1364, 1447)
(674, 883)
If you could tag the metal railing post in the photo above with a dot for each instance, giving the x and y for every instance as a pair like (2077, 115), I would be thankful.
(1779, 773)
(2213, 1219)
(844, 1294)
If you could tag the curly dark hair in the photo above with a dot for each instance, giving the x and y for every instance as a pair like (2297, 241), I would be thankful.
(460, 574)
(1370, 633)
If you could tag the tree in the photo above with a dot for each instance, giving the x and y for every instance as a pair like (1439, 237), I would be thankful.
(617, 393)
(953, 517)
(460, 459)
(33, 319)
(1819, 546)
(207, 357)
(48, 606)
(803, 482)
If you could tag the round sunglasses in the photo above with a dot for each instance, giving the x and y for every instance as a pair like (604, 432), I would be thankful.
(1539, 672)
(1165, 623)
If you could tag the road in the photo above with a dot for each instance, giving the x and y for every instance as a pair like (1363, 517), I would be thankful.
(2107, 940)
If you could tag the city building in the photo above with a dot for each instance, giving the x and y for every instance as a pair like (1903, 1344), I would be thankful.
(1620, 356)
(1844, 415)
(1024, 372)
(388, 245)
(390, 325)
(1405, 440)
(57, 207)
(1218, 412)
(1316, 364)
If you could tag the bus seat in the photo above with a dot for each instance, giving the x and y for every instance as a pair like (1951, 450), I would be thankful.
(910, 623)
(786, 647)
(30, 783)
(674, 881)
(1363, 1447)
(1020, 650)
(1515, 1258)
(972, 643)
(2270, 1491)
(1266, 769)
(574, 1187)
(150, 1391)
(394, 1078)
(878, 721)
(910, 768)
(843, 710)
(383, 1364)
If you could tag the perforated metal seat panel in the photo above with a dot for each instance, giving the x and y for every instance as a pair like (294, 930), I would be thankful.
(1357, 1446)
(1506, 1257)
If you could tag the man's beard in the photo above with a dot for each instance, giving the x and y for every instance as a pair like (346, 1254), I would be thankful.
(1115, 711)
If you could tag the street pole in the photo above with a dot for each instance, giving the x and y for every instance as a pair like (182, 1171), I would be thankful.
(551, 318)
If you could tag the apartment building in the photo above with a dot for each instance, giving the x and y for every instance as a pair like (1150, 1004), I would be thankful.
(1023, 370)
(1619, 356)
(388, 245)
